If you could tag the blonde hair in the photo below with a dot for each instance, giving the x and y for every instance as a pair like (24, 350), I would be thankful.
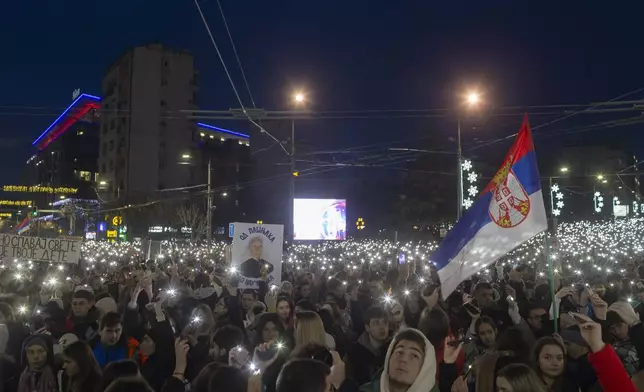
(309, 329)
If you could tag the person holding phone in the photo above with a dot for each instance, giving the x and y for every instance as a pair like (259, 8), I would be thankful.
(484, 305)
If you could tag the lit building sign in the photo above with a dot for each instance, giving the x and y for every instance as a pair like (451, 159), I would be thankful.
(90, 235)
(5, 214)
(222, 130)
(161, 229)
(38, 189)
(186, 230)
(117, 221)
(101, 226)
(111, 233)
(72, 200)
(15, 203)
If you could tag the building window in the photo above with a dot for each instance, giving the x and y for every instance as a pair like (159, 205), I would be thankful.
(104, 128)
(111, 145)
(104, 149)
(85, 176)
(164, 82)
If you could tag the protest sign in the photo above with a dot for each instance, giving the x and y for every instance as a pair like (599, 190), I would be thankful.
(257, 254)
(52, 250)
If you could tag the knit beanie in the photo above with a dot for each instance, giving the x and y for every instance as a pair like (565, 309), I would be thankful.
(106, 305)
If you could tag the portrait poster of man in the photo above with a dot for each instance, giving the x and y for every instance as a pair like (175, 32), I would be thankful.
(257, 254)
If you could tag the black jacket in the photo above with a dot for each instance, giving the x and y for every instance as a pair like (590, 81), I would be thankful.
(363, 362)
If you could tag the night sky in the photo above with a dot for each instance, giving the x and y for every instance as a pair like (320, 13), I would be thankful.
(347, 55)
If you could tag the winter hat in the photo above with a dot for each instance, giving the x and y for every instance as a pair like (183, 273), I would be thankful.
(63, 342)
(106, 305)
(42, 340)
(426, 379)
(625, 312)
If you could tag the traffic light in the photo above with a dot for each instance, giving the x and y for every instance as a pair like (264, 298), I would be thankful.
(34, 213)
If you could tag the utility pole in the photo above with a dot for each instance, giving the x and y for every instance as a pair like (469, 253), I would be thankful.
(209, 212)
(292, 183)
(459, 169)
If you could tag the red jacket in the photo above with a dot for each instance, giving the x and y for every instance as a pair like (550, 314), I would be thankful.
(610, 371)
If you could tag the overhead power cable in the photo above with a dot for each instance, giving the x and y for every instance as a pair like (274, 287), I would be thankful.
(230, 79)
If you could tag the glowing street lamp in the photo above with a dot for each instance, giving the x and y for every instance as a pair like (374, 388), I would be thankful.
(299, 98)
(564, 169)
(473, 98)
(600, 176)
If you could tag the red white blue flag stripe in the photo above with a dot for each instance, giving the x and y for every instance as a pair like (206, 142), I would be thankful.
(509, 212)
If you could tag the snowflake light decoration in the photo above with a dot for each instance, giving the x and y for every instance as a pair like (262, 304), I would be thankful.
(555, 194)
(472, 191)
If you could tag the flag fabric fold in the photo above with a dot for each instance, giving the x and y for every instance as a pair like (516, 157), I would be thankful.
(509, 212)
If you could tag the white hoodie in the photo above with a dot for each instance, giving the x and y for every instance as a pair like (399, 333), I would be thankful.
(426, 379)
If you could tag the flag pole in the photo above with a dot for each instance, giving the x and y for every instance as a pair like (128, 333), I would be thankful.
(551, 281)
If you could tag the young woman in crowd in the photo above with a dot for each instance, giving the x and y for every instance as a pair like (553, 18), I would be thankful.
(80, 371)
(309, 329)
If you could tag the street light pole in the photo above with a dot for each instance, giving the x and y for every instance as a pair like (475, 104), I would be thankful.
(292, 183)
(209, 212)
(459, 169)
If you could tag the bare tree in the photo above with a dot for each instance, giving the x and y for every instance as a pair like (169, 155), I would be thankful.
(193, 218)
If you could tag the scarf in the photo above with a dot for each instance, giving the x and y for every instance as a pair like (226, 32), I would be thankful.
(33, 381)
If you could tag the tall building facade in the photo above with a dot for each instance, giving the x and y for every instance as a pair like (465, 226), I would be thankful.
(145, 137)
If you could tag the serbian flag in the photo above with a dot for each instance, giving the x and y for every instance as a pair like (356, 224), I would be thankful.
(509, 212)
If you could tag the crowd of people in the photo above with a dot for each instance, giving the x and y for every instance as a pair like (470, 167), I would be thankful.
(347, 318)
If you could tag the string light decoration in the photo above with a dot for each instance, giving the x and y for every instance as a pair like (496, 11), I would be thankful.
(598, 201)
(636, 208)
(556, 200)
(472, 177)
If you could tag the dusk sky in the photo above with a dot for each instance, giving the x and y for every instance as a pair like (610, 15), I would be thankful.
(346, 55)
